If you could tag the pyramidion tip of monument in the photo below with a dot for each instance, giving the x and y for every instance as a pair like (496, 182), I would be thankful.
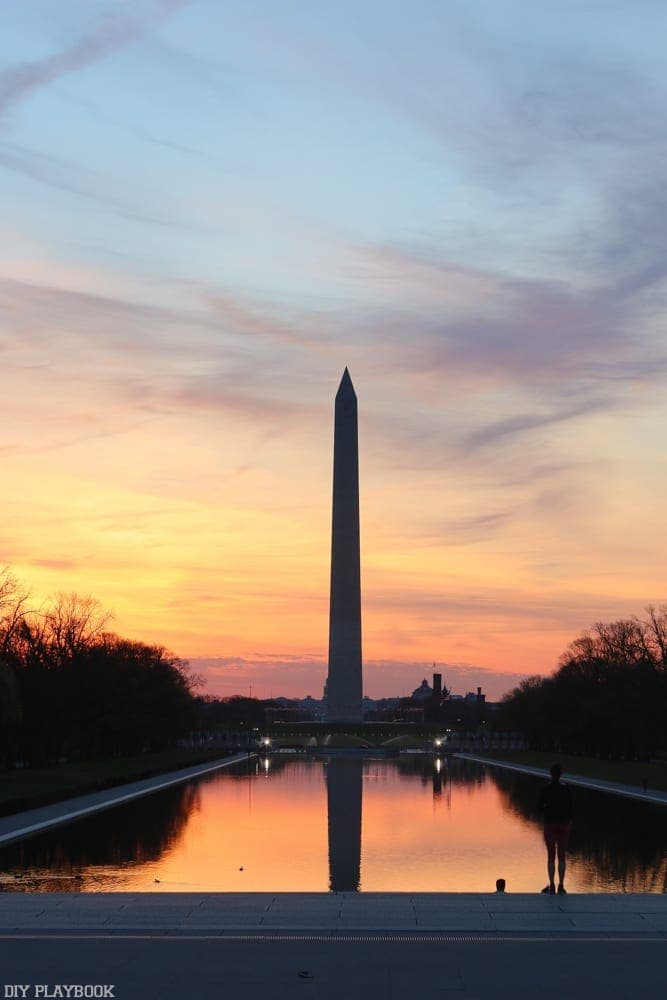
(346, 387)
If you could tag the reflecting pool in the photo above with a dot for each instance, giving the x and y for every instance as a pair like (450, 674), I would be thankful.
(346, 823)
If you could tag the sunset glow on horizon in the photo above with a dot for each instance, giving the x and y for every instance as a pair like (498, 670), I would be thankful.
(211, 210)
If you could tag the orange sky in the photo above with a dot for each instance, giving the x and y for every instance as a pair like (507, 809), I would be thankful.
(482, 247)
(217, 558)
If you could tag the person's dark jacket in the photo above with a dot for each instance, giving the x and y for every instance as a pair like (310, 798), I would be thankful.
(555, 803)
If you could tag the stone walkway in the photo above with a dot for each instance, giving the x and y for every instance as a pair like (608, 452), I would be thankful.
(333, 913)
(613, 787)
(25, 824)
(323, 946)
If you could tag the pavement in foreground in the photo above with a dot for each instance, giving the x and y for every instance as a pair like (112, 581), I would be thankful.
(326, 945)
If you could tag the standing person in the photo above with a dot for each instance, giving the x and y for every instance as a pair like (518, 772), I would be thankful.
(555, 804)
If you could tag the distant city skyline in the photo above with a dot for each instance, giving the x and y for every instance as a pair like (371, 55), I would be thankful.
(211, 209)
(302, 677)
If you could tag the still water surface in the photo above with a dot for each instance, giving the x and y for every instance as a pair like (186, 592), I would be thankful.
(303, 824)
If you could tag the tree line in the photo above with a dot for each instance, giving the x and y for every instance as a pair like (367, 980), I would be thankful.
(607, 697)
(70, 689)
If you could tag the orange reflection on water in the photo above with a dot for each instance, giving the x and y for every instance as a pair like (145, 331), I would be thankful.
(307, 824)
(254, 834)
(450, 837)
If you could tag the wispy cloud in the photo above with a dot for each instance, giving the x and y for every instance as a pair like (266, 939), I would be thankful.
(464, 530)
(500, 326)
(555, 355)
(84, 183)
(114, 31)
(492, 433)
(533, 353)
(502, 607)
(94, 319)
(212, 353)
(97, 114)
(52, 443)
(225, 393)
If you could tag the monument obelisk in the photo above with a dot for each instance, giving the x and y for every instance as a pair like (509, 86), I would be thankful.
(344, 687)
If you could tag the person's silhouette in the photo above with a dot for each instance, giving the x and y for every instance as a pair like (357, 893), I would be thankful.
(555, 804)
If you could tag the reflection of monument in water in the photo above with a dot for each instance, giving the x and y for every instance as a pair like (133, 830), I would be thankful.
(344, 779)
(344, 687)
(344, 784)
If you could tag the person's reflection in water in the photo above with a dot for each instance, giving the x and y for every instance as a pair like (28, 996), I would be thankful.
(344, 784)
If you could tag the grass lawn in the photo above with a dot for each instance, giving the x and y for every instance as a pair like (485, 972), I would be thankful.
(26, 788)
(626, 772)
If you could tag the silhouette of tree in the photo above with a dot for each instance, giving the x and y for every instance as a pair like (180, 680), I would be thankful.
(608, 695)
(233, 711)
(13, 607)
(72, 623)
(71, 690)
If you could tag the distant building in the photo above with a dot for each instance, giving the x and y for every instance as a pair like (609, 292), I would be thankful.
(413, 714)
(282, 714)
(475, 699)
(423, 692)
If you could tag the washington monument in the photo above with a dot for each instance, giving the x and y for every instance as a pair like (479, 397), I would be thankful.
(344, 687)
